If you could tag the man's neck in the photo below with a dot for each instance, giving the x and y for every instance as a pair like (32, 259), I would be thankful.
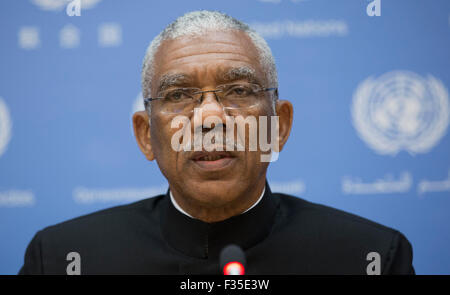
(209, 214)
(175, 204)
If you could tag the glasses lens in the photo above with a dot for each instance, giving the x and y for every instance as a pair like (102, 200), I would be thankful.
(178, 100)
(232, 97)
(240, 96)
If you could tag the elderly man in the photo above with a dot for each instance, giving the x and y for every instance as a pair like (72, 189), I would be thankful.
(209, 65)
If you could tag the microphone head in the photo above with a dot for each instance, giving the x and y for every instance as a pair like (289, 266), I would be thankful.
(232, 260)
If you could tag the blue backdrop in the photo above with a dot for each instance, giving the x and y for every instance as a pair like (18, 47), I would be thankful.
(369, 82)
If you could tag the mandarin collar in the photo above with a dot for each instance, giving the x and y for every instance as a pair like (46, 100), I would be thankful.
(199, 239)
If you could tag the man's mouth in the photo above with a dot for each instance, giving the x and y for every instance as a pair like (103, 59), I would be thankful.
(214, 160)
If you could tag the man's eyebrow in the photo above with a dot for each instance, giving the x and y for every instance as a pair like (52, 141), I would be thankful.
(239, 73)
(169, 80)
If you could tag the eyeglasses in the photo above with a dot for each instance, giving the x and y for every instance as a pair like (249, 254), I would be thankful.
(231, 96)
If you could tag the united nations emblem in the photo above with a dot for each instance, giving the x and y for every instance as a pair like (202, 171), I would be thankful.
(400, 110)
(5, 127)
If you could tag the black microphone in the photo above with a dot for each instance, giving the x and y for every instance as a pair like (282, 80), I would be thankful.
(232, 260)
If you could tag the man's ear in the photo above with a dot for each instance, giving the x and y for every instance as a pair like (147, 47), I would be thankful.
(285, 113)
(141, 129)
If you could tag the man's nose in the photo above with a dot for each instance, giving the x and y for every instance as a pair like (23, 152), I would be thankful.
(210, 106)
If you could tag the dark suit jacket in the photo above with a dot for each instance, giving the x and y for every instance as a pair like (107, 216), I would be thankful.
(281, 235)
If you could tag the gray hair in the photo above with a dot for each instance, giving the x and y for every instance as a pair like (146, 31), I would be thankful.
(197, 22)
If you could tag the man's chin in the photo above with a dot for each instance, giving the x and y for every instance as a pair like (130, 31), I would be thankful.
(213, 192)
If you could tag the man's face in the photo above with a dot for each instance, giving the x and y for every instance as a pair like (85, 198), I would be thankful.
(207, 179)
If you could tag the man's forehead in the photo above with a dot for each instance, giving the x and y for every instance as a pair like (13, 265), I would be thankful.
(222, 74)
(227, 36)
(211, 46)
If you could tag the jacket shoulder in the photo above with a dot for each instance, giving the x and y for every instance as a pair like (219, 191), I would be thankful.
(332, 233)
(115, 216)
(325, 217)
(104, 233)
